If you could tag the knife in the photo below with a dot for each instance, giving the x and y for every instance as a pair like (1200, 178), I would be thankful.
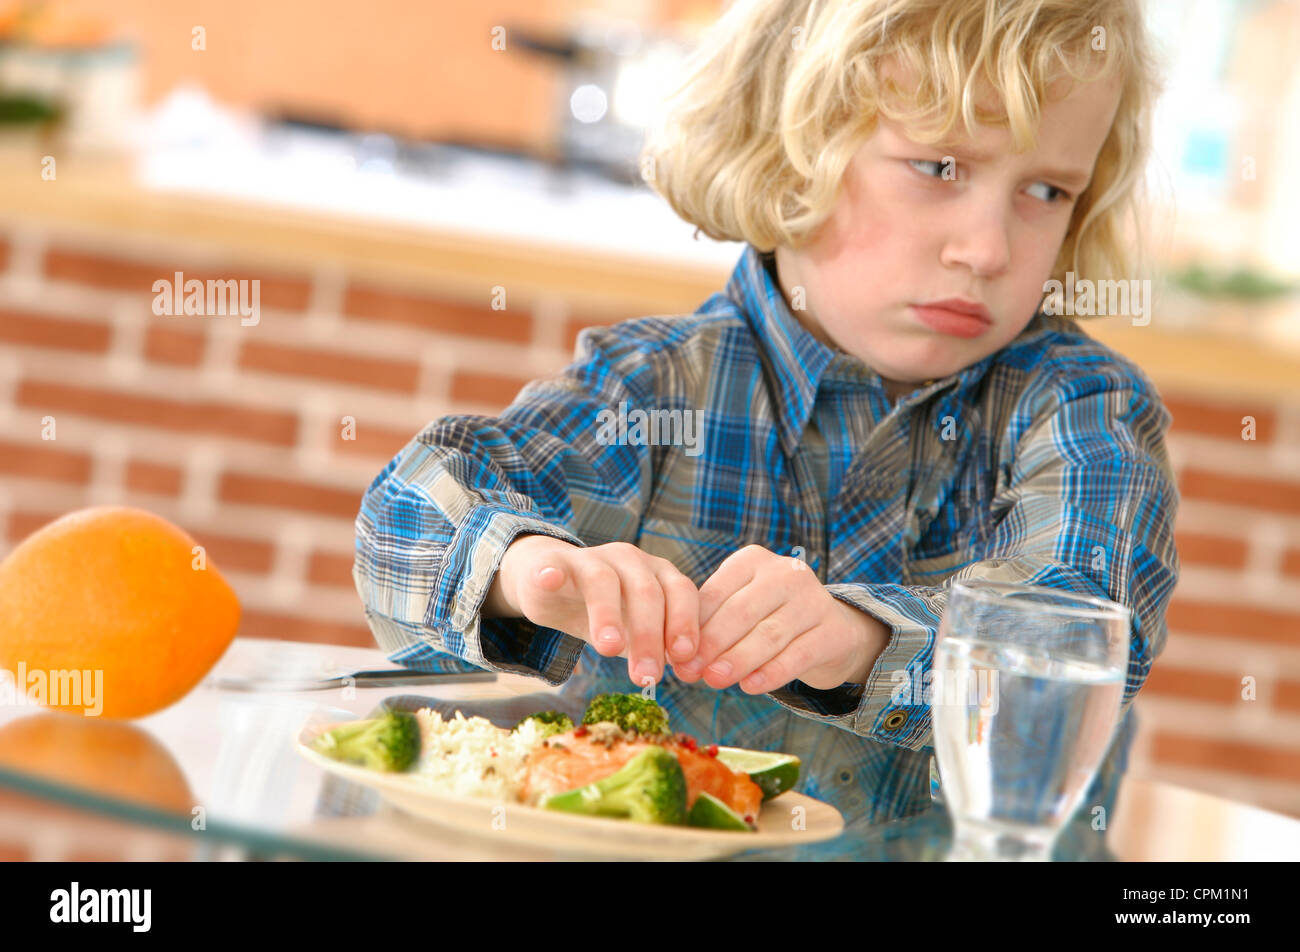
(384, 677)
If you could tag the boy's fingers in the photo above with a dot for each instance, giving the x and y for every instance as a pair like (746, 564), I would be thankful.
(762, 643)
(681, 613)
(643, 607)
(599, 587)
(792, 663)
(733, 621)
(736, 571)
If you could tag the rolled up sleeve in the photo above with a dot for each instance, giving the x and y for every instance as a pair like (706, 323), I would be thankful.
(435, 524)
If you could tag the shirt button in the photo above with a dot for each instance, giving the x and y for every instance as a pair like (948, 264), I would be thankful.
(844, 775)
(895, 720)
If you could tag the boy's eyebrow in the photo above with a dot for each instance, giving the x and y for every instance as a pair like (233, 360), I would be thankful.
(1078, 177)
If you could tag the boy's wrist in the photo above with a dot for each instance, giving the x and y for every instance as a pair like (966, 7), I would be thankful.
(500, 601)
(871, 639)
(497, 604)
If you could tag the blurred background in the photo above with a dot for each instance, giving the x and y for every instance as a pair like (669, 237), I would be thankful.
(435, 197)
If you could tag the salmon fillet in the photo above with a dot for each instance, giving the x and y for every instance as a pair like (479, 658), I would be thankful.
(569, 762)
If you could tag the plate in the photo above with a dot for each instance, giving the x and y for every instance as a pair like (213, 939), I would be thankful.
(789, 819)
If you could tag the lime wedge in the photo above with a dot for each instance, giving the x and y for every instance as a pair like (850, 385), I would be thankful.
(773, 772)
(712, 813)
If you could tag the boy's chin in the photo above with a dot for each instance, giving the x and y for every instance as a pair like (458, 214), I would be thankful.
(932, 362)
(913, 373)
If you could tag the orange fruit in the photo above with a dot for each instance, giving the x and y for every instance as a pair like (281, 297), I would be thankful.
(116, 593)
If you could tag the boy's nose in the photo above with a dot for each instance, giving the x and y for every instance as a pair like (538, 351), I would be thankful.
(980, 242)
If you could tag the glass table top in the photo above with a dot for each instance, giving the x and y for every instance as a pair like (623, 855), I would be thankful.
(216, 776)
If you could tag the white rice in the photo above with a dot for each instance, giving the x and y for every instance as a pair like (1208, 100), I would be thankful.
(472, 756)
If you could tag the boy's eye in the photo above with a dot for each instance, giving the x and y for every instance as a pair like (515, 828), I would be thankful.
(1058, 196)
(937, 170)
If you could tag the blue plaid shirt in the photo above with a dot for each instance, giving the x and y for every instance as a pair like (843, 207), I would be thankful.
(1022, 467)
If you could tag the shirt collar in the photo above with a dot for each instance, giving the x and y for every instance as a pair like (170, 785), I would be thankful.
(795, 361)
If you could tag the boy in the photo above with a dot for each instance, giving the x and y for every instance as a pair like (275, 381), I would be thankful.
(882, 407)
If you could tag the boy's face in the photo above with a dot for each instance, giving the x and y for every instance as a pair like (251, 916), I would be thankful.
(908, 229)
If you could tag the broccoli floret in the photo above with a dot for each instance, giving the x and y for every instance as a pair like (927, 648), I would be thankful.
(631, 712)
(649, 788)
(390, 742)
(549, 722)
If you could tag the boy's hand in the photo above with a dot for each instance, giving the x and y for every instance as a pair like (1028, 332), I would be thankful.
(765, 620)
(613, 596)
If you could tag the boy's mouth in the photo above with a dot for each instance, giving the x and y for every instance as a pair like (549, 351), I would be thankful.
(954, 316)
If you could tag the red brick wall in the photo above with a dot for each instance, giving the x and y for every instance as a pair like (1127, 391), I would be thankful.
(235, 433)
(1236, 612)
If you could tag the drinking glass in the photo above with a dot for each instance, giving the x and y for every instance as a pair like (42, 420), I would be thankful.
(1027, 683)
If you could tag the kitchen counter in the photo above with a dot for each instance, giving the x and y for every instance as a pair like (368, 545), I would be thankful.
(616, 248)
(597, 246)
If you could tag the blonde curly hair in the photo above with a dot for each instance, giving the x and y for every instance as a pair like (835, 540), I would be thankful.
(753, 143)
